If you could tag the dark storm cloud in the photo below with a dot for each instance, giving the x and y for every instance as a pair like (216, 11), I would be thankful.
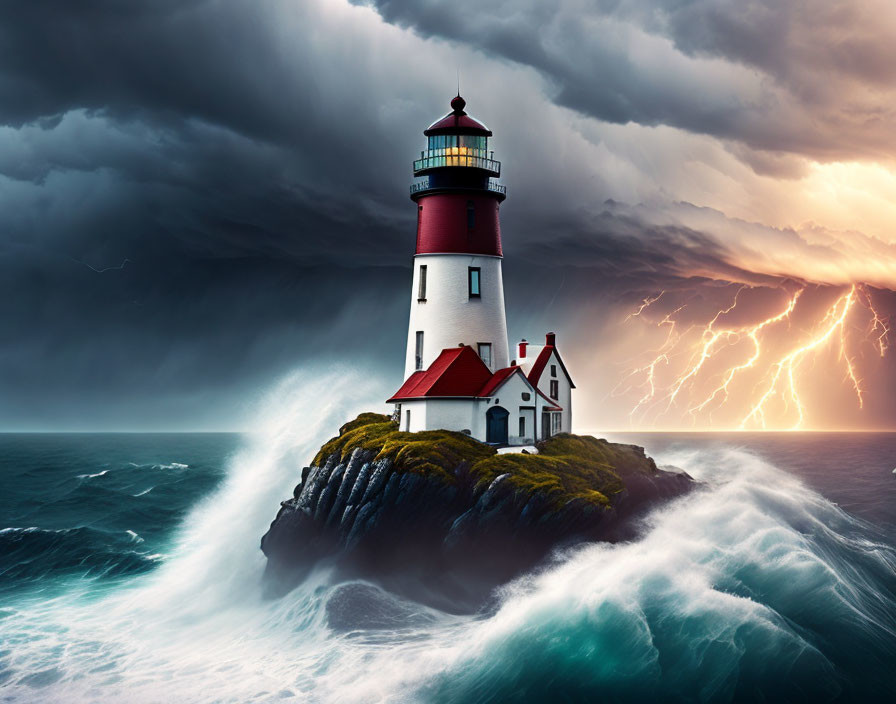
(810, 78)
(197, 196)
(184, 140)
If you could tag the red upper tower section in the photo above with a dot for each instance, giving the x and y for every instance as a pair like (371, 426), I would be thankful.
(457, 200)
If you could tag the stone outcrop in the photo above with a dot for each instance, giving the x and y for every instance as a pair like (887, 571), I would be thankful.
(440, 514)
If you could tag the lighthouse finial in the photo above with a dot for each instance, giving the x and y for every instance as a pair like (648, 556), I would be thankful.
(458, 104)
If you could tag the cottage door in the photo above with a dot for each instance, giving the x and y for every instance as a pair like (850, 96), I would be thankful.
(496, 425)
(545, 425)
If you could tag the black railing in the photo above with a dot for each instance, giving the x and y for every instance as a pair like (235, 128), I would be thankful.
(424, 186)
(436, 158)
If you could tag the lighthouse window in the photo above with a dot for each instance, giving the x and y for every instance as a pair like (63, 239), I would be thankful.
(471, 215)
(441, 141)
(418, 359)
(473, 142)
(485, 353)
(474, 274)
(421, 284)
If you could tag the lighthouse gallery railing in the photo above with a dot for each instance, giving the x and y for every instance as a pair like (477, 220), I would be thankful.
(424, 186)
(456, 156)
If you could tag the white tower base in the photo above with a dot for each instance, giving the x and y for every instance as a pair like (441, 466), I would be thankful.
(448, 313)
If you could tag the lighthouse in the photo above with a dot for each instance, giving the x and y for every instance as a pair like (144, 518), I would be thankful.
(458, 240)
(458, 371)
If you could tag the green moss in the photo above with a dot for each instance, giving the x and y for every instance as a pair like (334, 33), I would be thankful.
(368, 430)
(433, 451)
(567, 466)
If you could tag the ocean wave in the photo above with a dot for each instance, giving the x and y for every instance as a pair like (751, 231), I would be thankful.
(91, 476)
(33, 554)
(13, 531)
(752, 588)
(755, 588)
(159, 465)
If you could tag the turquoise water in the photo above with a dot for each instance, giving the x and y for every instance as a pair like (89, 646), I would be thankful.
(130, 571)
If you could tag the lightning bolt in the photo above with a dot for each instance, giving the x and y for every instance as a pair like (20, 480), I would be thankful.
(644, 304)
(710, 338)
(779, 373)
(786, 367)
(753, 334)
(878, 322)
(661, 355)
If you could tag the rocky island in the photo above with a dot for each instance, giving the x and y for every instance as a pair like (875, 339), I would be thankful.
(445, 518)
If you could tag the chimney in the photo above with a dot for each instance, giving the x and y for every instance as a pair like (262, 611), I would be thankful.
(550, 339)
(523, 344)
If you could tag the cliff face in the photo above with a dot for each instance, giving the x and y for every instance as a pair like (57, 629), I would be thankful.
(440, 515)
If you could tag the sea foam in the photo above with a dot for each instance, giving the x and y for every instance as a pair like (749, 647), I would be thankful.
(754, 586)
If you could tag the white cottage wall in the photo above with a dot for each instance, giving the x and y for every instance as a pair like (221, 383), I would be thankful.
(511, 396)
(554, 372)
(451, 414)
(564, 390)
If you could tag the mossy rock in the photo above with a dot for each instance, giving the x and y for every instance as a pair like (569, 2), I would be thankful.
(567, 467)
(428, 452)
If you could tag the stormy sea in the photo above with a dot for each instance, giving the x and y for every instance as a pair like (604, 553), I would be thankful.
(130, 571)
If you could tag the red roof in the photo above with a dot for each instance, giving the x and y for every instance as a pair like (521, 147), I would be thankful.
(498, 378)
(457, 122)
(541, 362)
(457, 372)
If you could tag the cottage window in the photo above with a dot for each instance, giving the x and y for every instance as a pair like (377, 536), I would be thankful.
(474, 282)
(526, 396)
(418, 359)
(555, 389)
(553, 366)
(421, 284)
(407, 423)
(522, 426)
(555, 423)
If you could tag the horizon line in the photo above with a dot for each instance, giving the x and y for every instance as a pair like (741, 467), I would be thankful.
(244, 431)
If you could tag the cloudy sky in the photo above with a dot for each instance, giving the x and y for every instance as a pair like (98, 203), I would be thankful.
(200, 197)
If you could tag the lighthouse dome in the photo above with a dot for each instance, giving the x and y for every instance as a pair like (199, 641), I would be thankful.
(457, 122)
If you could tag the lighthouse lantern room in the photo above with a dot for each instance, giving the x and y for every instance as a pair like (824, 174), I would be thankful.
(458, 372)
